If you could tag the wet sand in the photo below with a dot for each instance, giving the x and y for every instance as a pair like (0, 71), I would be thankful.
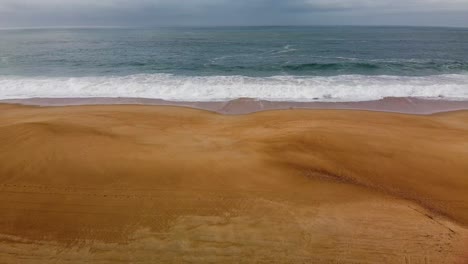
(165, 184)
(407, 105)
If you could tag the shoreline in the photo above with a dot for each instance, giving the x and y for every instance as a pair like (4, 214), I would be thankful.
(404, 105)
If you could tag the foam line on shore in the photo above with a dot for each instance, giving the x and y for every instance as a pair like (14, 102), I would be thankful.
(340, 88)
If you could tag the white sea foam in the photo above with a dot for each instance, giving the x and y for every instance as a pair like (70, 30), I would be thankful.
(218, 88)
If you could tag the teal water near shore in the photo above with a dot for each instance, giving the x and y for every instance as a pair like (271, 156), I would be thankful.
(205, 64)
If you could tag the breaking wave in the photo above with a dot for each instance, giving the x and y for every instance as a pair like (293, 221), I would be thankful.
(219, 88)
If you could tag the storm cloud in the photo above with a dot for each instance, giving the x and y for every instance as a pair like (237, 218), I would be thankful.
(63, 13)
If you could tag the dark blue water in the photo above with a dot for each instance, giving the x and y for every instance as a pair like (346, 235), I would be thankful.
(183, 63)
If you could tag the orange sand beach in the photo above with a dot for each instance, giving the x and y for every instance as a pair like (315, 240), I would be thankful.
(165, 184)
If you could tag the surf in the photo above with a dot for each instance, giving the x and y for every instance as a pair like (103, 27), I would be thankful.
(341, 88)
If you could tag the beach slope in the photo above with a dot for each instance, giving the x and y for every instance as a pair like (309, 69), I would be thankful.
(161, 184)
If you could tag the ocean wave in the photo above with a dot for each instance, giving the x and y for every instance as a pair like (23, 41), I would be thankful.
(219, 88)
(341, 66)
(330, 66)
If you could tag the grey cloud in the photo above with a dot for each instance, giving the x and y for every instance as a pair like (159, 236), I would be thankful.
(26, 13)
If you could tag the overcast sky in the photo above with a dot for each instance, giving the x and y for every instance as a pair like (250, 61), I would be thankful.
(64, 13)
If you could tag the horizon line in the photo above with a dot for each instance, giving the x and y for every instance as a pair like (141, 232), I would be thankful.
(221, 26)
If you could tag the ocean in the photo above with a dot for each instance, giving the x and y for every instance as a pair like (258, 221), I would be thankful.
(223, 63)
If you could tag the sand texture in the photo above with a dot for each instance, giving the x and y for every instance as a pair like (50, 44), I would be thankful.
(407, 105)
(160, 184)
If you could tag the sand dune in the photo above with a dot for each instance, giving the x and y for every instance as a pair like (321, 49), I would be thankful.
(153, 184)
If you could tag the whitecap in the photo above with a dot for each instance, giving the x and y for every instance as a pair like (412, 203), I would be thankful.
(219, 88)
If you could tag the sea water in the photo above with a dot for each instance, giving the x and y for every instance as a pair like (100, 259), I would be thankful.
(223, 63)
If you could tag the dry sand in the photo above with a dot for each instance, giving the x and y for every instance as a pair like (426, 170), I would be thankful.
(154, 184)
